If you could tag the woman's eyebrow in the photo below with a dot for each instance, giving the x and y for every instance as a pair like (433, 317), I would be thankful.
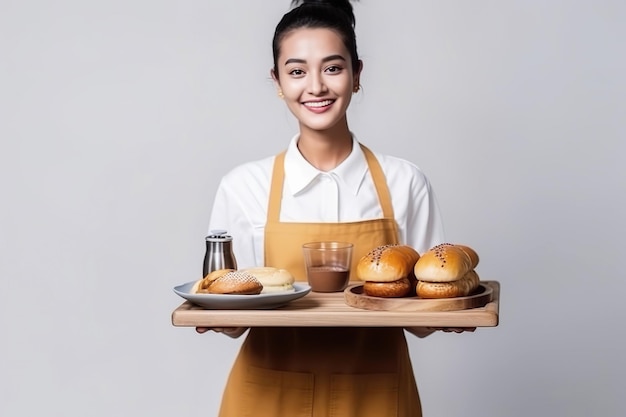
(325, 59)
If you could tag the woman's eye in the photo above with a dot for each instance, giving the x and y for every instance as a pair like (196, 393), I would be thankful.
(333, 69)
(296, 72)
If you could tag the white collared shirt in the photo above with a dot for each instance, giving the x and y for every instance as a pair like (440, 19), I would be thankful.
(345, 194)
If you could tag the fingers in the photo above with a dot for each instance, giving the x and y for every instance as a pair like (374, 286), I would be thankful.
(233, 332)
(420, 332)
(457, 329)
(425, 331)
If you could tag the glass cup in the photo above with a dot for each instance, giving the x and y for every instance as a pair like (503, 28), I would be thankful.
(327, 265)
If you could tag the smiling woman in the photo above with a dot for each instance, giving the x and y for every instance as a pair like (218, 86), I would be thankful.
(325, 186)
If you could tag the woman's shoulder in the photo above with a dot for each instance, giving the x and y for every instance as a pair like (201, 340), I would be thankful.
(251, 171)
(398, 168)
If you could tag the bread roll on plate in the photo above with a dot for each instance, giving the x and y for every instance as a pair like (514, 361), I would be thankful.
(273, 279)
(228, 281)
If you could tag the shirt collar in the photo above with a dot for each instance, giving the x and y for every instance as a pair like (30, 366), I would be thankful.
(299, 173)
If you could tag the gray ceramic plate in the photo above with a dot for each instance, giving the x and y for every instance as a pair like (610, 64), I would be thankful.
(241, 302)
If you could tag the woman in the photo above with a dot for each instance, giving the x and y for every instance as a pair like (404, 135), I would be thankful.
(325, 186)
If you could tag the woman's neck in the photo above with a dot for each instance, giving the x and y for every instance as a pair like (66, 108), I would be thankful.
(325, 150)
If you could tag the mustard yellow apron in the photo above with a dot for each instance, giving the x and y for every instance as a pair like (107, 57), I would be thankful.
(322, 372)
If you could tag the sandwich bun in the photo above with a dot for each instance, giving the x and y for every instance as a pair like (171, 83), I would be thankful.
(272, 279)
(236, 282)
(447, 270)
(388, 271)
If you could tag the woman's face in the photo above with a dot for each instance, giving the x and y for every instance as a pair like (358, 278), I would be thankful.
(316, 77)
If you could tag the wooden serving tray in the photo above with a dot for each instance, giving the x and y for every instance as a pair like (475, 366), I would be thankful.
(354, 297)
(332, 310)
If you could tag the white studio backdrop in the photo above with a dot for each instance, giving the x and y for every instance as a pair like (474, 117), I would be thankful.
(117, 120)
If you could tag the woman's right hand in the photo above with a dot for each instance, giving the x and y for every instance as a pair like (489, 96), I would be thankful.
(233, 332)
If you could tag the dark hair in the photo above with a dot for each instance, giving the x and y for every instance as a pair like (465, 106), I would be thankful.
(336, 15)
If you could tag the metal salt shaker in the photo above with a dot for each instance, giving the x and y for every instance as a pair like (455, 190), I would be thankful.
(219, 252)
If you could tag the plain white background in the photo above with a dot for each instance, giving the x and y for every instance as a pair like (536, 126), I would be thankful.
(117, 119)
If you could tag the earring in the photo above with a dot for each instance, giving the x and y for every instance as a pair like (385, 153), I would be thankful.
(356, 88)
(280, 94)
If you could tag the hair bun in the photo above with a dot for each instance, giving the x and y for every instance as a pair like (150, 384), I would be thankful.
(343, 5)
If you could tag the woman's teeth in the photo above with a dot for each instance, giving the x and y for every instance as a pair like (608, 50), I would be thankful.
(318, 103)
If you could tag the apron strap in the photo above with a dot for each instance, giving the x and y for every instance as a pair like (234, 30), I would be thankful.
(276, 189)
(380, 182)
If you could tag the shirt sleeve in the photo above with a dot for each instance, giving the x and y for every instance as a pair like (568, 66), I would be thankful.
(228, 214)
(240, 208)
(424, 224)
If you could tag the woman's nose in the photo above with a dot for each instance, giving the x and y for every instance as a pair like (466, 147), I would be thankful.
(316, 85)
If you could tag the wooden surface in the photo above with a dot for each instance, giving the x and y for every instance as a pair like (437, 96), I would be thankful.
(355, 297)
(331, 310)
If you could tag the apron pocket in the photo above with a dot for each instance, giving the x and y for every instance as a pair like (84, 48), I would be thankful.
(364, 395)
(269, 393)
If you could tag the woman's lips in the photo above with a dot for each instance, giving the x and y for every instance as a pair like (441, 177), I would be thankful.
(318, 106)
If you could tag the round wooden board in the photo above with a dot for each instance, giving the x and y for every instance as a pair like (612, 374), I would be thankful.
(354, 297)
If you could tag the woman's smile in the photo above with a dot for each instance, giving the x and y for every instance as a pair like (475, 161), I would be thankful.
(318, 106)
